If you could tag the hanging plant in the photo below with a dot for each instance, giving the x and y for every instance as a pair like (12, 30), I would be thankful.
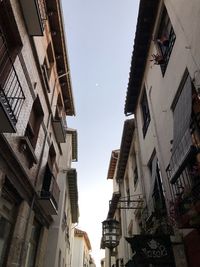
(157, 59)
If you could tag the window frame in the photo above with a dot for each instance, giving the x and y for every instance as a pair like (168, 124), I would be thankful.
(145, 112)
(165, 40)
(36, 116)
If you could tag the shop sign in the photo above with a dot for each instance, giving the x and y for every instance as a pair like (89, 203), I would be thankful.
(152, 248)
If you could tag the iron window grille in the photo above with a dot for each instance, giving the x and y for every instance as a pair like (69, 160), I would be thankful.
(165, 41)
(145, 113)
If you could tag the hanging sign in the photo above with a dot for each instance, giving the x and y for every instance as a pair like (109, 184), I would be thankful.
(152, 249)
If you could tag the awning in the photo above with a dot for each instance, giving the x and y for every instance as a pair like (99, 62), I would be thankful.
(127, 137)
(151, 249)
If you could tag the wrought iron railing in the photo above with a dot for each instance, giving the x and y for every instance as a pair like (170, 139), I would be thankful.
(184, 208)
(166, 50)
(184, 180)
(180, 155)
(11, 93)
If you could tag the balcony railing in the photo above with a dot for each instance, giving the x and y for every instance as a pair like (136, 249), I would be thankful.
(11, 93)
(184, 150)
(49, 195)
(35, 15)
(185, 207)
(185, 191)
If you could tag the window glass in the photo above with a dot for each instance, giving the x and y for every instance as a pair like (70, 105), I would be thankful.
(35, 120)
(33, 244)
(5, 228)
(145, 113)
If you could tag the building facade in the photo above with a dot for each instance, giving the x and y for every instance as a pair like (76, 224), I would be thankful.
(35, 98)
(81, 250)
(163, 96)
(166, 104)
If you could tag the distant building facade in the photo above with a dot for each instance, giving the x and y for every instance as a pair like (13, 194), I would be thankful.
(81, 250)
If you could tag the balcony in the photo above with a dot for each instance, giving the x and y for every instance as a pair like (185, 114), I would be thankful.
(184, 178)
(60, 127)
(34, 12)
(154, 218)
(11, 94)
(49, 195)
(185, 206)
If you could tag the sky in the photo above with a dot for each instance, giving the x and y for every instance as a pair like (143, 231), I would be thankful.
(100, 36)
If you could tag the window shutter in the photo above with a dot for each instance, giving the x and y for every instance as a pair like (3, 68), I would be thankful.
(182, 140)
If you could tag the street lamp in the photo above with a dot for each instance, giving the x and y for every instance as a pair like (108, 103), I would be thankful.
(110, 235)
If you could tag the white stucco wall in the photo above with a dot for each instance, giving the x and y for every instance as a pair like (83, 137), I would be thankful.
(162, 90)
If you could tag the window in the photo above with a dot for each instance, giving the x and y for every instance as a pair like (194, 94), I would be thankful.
(182, 139)
(10, 41)
(46, 74)
(59, 259)
(5, 228)
(35, 120)
(156, 196)
(11, 91)
(145, 113)
(135, 176)
(48, 66)
(127, 190)
(52, 157)
(184, 167)
(165, 41)
(33, 245)
(9, 29)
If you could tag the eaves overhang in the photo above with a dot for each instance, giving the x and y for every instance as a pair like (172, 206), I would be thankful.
(113, 164)
(83, 234)
(143, 37)
(113, 204)
(73, 194)
(125, 146)
(55, 17)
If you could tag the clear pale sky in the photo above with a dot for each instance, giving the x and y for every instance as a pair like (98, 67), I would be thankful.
(100, 36)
